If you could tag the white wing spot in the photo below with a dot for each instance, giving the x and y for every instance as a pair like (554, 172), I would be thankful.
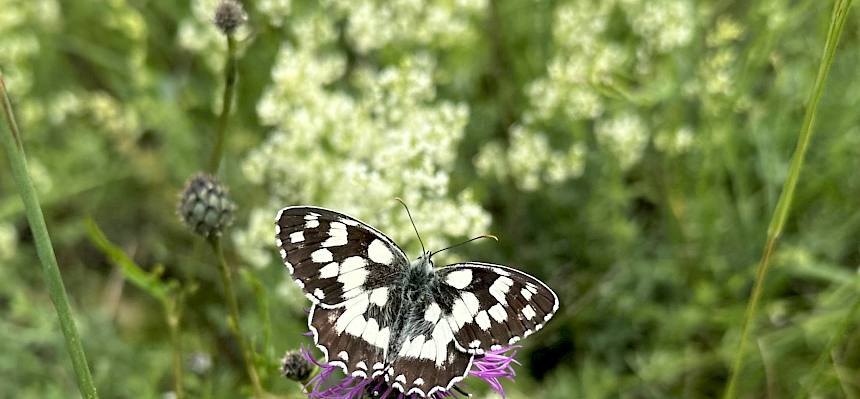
(498, 313)
(312, 224)
(526, 294)
(319, 294)
(419, 381)
(348, 222)
(283, 253)
(428, 350)
(483, 320)
(352, 280)
(370, 331)
(432, 313)
(352, 263)
(501, 272)
(343, 355)
(321, 255)
(330, 270)
(528, 312)
(379, 296)
(459, 279)
(298, 236)
(355, 308)
(378, 252)
(401, 378)
(337, 235)
(500, 288)
(362, 365)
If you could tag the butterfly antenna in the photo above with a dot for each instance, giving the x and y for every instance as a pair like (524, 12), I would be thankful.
(467, 241)
(413, 223)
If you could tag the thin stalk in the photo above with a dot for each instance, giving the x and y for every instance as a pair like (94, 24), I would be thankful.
(14, 148)
(172, 312)
(233, 321)
(777, 223)
(226, 105)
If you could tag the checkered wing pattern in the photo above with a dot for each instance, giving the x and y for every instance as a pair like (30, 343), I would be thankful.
(495, 305)
(334, 257)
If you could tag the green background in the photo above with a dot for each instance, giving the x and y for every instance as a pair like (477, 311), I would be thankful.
(629, 153)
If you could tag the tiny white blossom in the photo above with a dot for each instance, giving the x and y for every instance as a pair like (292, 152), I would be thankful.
(625, 136)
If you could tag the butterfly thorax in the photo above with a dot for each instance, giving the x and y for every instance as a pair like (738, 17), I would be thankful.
(416, 288)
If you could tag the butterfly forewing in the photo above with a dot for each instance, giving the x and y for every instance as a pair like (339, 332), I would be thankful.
(334, 257)
(496, 306)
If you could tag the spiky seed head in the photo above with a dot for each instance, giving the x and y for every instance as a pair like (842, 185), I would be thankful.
(205, 205)
(229, 16)
(296, 367)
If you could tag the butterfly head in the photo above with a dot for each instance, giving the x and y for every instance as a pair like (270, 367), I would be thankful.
(424, 261)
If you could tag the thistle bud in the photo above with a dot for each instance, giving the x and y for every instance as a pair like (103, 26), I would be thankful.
(205, 205)
(229, 15)
(296, 367)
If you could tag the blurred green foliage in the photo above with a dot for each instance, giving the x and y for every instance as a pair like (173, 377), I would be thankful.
(628, 152)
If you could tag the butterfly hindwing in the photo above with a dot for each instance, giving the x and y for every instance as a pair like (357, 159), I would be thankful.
(335, 257)
(355, 337)
(495, 305)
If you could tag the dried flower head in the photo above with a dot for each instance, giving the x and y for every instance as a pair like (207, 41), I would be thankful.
(296, 366)
(205, 205)
(229, 15)
(329, 383)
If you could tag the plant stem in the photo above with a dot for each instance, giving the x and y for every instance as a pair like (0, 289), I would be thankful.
(226, 105)
(777, 223)
(172, 313)
(233, 308)
(15, 152)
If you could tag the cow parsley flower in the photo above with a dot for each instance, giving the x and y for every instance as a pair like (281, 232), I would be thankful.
(330, 382)
(388, 136)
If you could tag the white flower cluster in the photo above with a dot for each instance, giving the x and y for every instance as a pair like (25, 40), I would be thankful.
(20, 43)
(357, 149)
(374, 24)
(587, 90)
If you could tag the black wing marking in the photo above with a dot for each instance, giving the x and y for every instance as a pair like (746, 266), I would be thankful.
(428, 361)
(495, 305)
(335, 257)
(355, 337)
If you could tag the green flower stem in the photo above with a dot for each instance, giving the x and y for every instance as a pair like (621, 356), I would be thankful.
(837, 23)
(172, 312)
(233, 321)
(226, 105)
(15, 152)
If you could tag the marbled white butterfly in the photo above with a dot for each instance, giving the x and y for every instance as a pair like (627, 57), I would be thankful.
(374, 313)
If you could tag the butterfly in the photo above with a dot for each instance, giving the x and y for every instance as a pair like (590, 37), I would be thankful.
(376, 314)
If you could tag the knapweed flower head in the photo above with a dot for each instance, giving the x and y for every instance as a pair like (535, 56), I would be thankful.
(229, 15)
(205, 205)
(330, 383)
(296, 366)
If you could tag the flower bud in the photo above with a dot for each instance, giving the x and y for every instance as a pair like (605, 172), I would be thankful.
(229, 15)
(296, 367)
(205, 205)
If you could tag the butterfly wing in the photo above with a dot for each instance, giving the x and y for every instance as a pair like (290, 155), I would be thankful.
(347, 269)
(496, 306)
(335, 257)
(426, 359)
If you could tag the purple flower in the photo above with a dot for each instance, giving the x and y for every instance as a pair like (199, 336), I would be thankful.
(329, 384)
